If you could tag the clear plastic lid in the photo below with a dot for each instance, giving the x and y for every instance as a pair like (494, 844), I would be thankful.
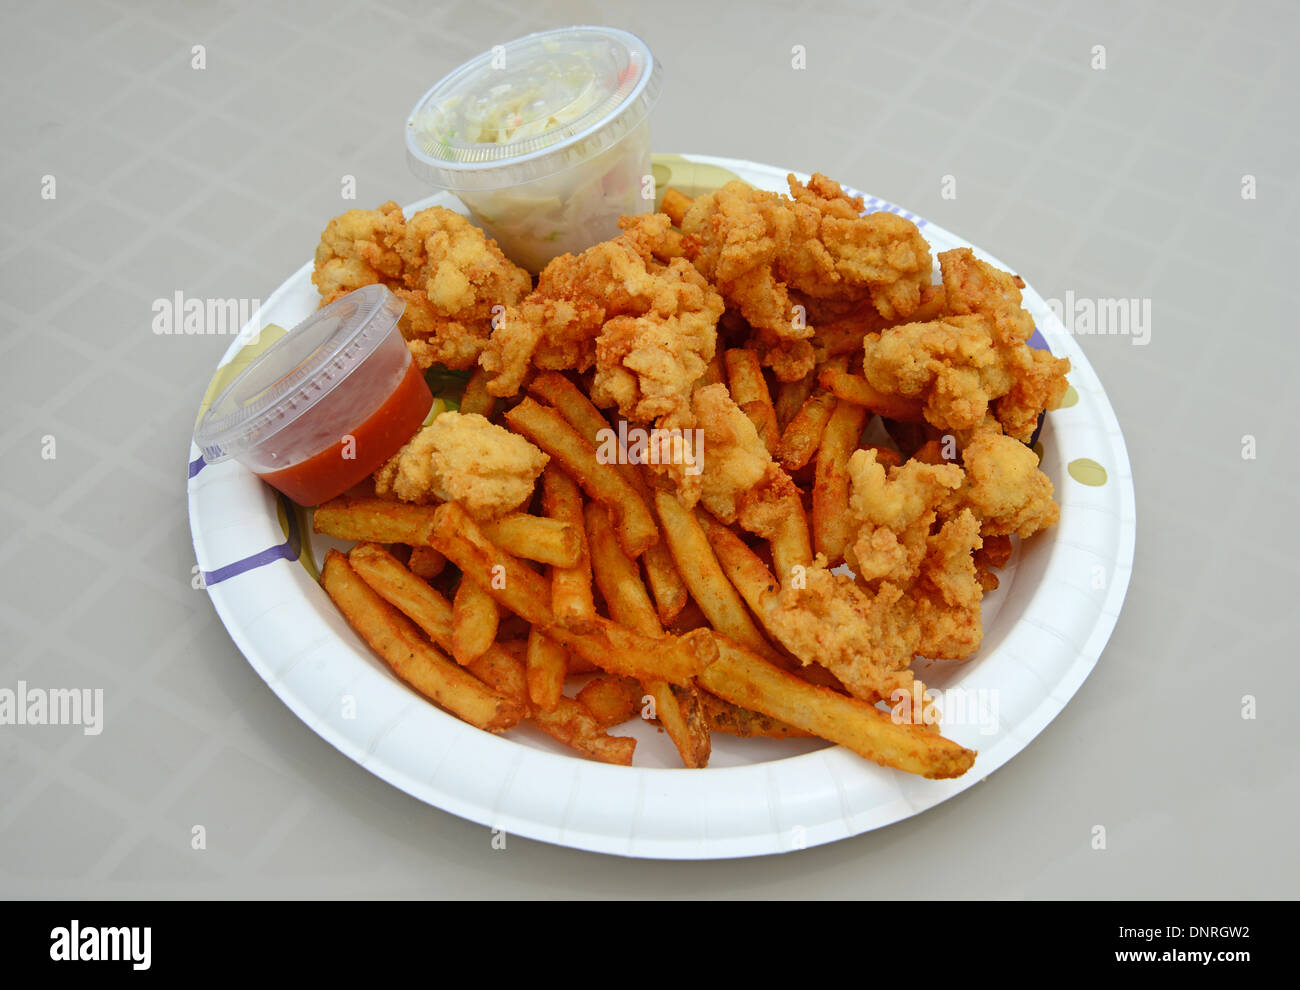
(532, 107)
(296, 372)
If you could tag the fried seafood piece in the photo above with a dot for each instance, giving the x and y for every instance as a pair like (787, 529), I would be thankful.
(651, 361)
(975, 359)
(945, 597)
(448, 272)
(758, 247)
(892, 513)
(738, 479)
(865, 638)
(646, 365)
(1037, 379)
(883, 252)
(466, 459)
(453, 278)
(895, 514)
(1005, 486)
(950, 365)
(359, 248)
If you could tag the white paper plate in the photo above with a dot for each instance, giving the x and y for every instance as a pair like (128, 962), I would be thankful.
(1045, 627)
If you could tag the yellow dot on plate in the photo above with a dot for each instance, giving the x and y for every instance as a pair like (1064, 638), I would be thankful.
(1070, 398)
(1087, 472)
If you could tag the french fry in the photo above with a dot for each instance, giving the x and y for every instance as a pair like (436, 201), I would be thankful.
(516, 586)
(678, 709)
(552, 433)
(474, 619)
(426, 562)
(723, 716)
(617, 576)
(665, 583)
(860, 392)
(526, 593)
(831, 528)
(395, 638)
(579, 665)
(374, 520)
(548, 541)
(611, 700)
(749, 390)
(405, 591)
(743, 678)
(505, 673)
(790, 397)
(758, 587)
(791, 542)
(546, 664)
(708, 585)
(675, 204)
(477, 398)
(571, 598)
(577, 409)
(570, 723)
(803, 435)
(619, 650)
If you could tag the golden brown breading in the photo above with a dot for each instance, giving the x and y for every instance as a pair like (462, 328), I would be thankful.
(1005, 486)
(647, 364)
(358, 248)
(445, 269)
(973, 361)
(949, 364)
(464, 458)
(557, 325)
(1036, 380)
(866, 639)
(881, 251)
(892, 512)
(759, 247)
(945, 599)
(454, 278)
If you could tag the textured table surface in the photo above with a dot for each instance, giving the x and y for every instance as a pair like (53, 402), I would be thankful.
(1160, 167)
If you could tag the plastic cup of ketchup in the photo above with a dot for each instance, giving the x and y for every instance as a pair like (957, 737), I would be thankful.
(323, 407)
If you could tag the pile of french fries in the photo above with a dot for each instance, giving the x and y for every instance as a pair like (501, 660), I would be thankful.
(663, 605)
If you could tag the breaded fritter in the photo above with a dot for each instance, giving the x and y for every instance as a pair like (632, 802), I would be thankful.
(467, 459)
(451, 276)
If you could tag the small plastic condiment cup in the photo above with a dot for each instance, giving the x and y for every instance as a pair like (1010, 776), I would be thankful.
(546, 139)
(326, 405)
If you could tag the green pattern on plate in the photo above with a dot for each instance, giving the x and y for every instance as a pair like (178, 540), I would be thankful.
(1070, 398)
(1086, 471)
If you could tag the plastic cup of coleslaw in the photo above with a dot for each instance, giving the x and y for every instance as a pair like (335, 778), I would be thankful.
(546, 139)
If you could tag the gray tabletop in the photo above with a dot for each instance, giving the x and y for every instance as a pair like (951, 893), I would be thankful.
(1108, 151)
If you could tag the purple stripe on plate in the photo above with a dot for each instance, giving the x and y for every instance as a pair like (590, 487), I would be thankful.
(288, 550)
(197, 465)
(285, 551)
